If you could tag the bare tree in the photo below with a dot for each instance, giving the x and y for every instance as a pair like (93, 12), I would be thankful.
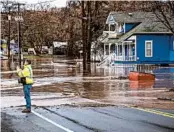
(164, 11)
(43, 24)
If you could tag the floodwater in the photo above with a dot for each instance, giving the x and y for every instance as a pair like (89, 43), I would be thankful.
(61, 81)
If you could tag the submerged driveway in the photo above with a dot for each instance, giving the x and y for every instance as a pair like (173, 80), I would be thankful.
(94, 119)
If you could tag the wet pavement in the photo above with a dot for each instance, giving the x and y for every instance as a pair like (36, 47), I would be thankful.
(64, 83)
(90, 119)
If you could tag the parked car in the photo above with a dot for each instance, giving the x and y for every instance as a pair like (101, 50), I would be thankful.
(31, 51)
(45, 51)
(2, 56)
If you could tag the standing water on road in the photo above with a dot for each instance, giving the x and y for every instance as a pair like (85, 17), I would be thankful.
(164, 77)
(60, 81)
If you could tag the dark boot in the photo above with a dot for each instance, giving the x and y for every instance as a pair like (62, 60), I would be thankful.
(26, 111)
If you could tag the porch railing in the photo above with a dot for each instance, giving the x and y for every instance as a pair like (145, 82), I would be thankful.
(107, 60)
(110, 59)
(124, 58)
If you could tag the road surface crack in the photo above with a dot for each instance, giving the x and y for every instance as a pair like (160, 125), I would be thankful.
(72, 120)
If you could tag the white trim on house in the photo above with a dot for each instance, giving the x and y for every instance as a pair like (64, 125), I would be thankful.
(133, 37)
(110, 19)
(127, 41)
(153, 33)
(151, 48)
(124, 27)
(136, 49)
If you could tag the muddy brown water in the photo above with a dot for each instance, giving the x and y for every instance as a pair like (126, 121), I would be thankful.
(97, 84)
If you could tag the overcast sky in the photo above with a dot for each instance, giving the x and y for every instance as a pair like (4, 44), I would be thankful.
(58, 3)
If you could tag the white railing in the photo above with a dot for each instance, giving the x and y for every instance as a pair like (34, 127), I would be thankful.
(110, 59)
(107, 60)
(125, 58)
(111, 34)
(103, 61)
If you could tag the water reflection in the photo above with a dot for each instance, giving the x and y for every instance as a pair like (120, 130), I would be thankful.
(135, 85)
(7, 65)
(87, 89)
(164, 73)
(164, 77)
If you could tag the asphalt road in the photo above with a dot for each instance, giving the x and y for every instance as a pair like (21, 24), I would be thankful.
(89, 119)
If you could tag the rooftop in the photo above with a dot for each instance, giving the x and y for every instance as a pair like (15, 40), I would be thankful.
(148, 23)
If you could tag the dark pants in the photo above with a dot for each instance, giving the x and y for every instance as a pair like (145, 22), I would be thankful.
(27, 88)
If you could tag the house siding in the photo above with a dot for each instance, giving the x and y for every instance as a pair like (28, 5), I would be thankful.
(129, 26)
(162, 52)
(172, 48)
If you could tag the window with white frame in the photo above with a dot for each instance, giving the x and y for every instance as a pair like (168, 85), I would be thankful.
(112, 27)
(148, 49)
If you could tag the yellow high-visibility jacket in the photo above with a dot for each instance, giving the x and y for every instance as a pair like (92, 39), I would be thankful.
(26, 72)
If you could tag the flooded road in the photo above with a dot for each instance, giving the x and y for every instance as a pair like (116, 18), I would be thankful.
(62, 82)
(64, 99)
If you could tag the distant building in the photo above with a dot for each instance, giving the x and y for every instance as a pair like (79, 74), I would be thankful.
(14, 49)
(136, 38)
(60, 48)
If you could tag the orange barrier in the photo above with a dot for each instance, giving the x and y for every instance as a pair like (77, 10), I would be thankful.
(136, 76)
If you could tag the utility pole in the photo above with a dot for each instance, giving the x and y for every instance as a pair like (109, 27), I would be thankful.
(9, 30)
(19, 36)
(19, 19)
(83, 37)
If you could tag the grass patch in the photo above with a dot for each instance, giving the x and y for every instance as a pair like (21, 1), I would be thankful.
(37, 56)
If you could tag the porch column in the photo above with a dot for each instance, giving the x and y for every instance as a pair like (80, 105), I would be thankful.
(110, 58)
(135, 51)
(124, 47)
(109, 28)
(129, 52)
(117, 51)
(122, 50)
(109, 48)
(135, 46)
(104, 50)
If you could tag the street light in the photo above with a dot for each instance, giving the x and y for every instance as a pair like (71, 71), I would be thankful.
(9, 17)
(9, 6)
(19, 19)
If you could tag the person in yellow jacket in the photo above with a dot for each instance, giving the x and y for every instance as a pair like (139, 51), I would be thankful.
(27, 75)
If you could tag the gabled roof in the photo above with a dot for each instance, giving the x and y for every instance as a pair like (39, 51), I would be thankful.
(132, 17)
(145, 27)
(130, 33)
(148, 20)
(148, 23)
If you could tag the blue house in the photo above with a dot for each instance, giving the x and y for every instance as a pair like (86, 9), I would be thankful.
(137, 38)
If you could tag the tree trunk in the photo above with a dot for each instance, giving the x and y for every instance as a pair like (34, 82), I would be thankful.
(70, 42)
(83, 37)
(89, 32)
